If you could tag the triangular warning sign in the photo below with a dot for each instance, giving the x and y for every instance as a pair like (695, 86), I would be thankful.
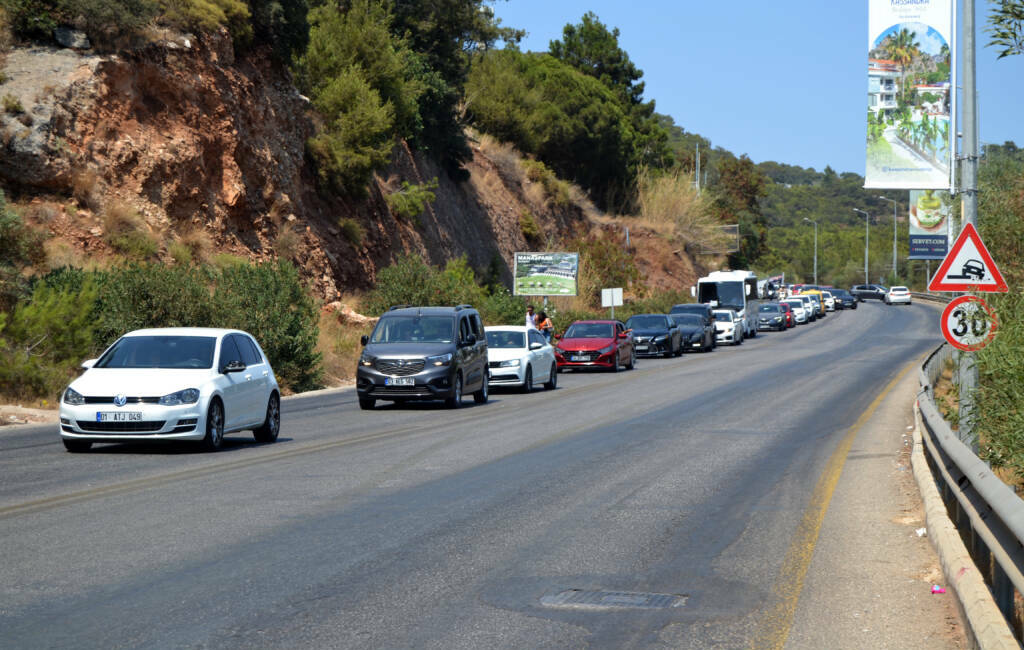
(968, 266)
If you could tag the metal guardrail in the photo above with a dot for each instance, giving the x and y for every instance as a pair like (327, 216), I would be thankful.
(987, 513)
(930, 297)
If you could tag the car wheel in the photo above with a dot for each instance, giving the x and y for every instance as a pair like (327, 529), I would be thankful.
(214, 427)
(77, 446)
(455, 401)
(480, 397)
(267, 432)
(552, 381)
(615, 362)
(632, 360)
(367, 403)
(528, 380)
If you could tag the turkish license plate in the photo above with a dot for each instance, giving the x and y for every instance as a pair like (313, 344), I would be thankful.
(641, 348)
(399, 381)
(579, 357)
(118, 416)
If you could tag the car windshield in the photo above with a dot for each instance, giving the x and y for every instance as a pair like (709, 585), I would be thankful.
(647, 322)
(767, 308)
(414, 329)
(183, 352)
(503, 339)
(590, 331)
(688, 320)
(723, 316)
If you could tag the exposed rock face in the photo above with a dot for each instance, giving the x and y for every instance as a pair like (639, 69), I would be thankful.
(71, 38)
(196, 140)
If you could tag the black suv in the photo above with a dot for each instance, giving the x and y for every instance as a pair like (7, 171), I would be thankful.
(424, 353)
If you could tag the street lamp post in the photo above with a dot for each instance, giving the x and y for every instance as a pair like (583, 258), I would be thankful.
(865, 244)
(893, 233)
(815, 249)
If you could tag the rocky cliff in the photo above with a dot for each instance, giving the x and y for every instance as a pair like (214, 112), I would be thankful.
(206, 145)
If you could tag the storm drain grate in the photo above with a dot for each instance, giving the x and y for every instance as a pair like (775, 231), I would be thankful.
(600, 599)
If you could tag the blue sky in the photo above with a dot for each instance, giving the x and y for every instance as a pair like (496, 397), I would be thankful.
(781, 80)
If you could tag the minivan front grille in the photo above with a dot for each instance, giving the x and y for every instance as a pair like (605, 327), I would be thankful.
(399, 367)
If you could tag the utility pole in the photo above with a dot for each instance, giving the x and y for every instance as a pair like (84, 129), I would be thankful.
(894, 272)
(865, 244)
(815, 249)
(697, 175)
(968, 369)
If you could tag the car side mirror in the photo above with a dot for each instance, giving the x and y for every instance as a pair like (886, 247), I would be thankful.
(693, 292)
(470, 340)
(623, 335)
(88, 363)
(536, 346)
(363, 340)
(233, 366)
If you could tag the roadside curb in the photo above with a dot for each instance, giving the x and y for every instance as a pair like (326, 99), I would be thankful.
(984, 623)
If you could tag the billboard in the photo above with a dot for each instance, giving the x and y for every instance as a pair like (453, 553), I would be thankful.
(545, 274)
(909, 94)
(929, 224)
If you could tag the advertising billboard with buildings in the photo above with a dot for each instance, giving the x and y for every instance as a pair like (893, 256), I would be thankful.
(909, 100)
(545, 274)
(929, 224)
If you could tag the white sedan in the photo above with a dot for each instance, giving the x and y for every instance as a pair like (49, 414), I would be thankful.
(173, 384)
(520, 356)
(728, 328)
(897, 295)
(799, 310)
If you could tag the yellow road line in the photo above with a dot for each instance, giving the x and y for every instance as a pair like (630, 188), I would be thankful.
(776, 624)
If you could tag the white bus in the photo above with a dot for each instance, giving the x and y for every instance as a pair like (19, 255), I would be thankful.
(735, 290)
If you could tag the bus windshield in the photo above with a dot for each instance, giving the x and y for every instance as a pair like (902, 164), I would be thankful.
(728, 294)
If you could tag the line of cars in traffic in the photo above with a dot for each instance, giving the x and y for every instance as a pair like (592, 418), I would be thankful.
(196, 384)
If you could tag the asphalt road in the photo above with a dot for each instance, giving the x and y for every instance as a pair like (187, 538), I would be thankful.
(651, 508)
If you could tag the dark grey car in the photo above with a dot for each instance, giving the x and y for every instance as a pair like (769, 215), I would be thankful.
(424, 353)
(703, 310)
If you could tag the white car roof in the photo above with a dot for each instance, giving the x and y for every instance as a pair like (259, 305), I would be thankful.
(183, 331)
(506, 328)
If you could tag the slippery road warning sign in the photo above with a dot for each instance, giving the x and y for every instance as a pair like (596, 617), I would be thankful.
(968, 323)
(968, 266)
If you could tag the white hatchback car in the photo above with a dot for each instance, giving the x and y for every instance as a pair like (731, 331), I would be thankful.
(897, 295)
(728, 329)
(520, 356)
(799, 310)
(173, 384)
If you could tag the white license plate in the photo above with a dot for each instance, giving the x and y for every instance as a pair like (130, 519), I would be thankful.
(579, 358)
(399, 381)
(641, 348)
(118, 416)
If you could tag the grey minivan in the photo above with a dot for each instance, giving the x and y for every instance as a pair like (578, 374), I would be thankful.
(424, 353)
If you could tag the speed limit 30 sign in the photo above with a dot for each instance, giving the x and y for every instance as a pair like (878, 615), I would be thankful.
(968, 323)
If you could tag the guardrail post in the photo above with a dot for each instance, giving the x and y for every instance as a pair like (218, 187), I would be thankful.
(1002, 591)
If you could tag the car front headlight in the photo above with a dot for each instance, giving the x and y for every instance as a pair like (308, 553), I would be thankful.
(777, 319)
(365, 360)
(661, 339)
(509, 363)
(607, 350)
(73, 397)
(440, 360)
(187, 396)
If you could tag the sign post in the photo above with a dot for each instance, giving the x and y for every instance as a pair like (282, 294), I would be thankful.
(611, 298)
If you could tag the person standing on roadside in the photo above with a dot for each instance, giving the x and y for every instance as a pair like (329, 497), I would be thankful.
(531, 318)
(545, 325)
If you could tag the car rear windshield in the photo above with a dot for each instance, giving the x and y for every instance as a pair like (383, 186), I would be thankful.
(186, 352)
(590, 331)
(414, 329)
(647, 322)
(506, 340)
(900, 289)
(688, 320)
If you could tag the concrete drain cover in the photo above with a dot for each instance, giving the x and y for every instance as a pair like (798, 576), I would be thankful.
(599, 599)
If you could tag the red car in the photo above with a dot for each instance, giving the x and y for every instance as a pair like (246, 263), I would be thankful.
(786, 307)
(596, 344)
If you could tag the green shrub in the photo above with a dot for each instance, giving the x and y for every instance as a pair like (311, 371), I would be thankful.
(500, 307)
(180, 253)
(105, 22)
(352, 231)
(12, 104)
(20, 247)
(529, 227)
(411, 281)
(557, 190)
(208, 15)
(44, 338)
(410, 201)
(126, 231)
(604, 263)
(269, 302)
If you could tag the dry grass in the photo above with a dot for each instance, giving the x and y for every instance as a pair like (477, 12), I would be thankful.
(339, 344)
(60, 253)
(198, 243)
(85, 187)
(670, 205)
(42, 213)
(127, 232)
(288, 243)
(505, 158)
